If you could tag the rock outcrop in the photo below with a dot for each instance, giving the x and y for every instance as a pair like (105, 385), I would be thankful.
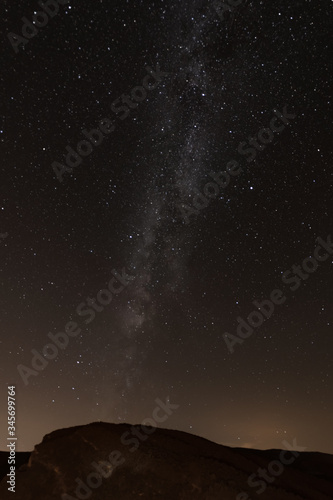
(105, 461)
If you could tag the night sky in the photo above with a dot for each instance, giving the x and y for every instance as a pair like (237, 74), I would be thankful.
(185, 91)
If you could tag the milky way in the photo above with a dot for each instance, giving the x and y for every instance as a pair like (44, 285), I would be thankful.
(225, 74)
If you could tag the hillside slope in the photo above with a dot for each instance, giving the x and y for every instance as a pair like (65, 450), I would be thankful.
(103, 461)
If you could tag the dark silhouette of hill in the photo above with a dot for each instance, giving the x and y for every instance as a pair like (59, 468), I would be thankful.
(105, 461)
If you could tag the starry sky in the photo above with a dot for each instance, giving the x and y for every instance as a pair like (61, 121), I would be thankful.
(182, 89)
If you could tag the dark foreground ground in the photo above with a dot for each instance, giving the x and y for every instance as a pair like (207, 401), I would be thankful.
(108, 461)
